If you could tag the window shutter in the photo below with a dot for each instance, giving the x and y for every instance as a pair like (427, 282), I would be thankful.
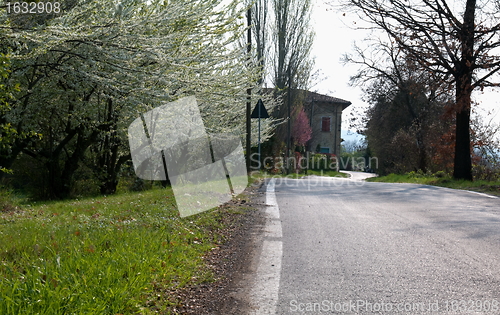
(325, 124)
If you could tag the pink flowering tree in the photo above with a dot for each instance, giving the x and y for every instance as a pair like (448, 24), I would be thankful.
(301, 131)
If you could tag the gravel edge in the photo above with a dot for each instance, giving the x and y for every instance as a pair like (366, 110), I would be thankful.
(232, 262)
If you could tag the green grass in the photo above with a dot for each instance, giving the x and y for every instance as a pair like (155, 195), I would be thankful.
(405, 178)
(442, 180)
(263, 174)
(327, 173)
(119, 254)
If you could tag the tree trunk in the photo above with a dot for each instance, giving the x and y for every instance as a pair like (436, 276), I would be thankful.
(463, 162)
(462, 168)
(282, 20)
(72, 163)
(109, 184)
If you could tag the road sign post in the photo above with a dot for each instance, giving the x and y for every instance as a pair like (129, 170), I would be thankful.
(259, 112)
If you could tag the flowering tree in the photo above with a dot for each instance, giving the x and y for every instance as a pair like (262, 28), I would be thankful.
(89, 71)
(302, 131)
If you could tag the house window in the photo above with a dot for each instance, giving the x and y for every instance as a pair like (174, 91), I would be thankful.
(324, 150)
(325, 124)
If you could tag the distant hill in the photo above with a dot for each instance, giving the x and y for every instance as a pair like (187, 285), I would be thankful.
(348, 135)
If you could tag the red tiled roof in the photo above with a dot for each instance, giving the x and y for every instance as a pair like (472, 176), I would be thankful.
(316, 97)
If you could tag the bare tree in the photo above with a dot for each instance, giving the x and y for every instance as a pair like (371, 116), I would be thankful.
(260, 32)
(287, 61)
(283, 39)
(458, 46)
(402, 96)
(293, 65)
(293, 38)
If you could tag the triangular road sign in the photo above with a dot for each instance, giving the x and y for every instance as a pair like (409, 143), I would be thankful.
(259, 111)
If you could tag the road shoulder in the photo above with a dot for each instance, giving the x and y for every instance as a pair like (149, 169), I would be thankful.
(233, 263)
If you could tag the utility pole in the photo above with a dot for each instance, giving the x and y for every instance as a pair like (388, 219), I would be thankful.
(249, 90)
(289, 125)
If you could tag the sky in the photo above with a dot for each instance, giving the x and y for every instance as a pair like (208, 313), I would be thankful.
(334, 37)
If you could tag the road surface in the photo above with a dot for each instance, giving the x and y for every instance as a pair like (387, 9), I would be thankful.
(345, 246)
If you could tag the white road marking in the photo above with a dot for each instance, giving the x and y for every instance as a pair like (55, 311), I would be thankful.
(272, 205)
(481, 194)
(264, 293)
(273, 229)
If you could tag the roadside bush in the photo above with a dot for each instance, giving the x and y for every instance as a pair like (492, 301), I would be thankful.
(418, 174)
(440, 174)
(483, 172)
(428, 174)
(6, 200)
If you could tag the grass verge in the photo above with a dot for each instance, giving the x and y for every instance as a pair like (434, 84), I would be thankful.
(263, 174)
(109, 255)
(439, 179)
(327, 173)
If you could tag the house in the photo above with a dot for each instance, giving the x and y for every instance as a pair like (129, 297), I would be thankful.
(325, 116)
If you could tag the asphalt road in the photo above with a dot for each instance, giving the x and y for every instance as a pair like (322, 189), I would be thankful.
(344, 246)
